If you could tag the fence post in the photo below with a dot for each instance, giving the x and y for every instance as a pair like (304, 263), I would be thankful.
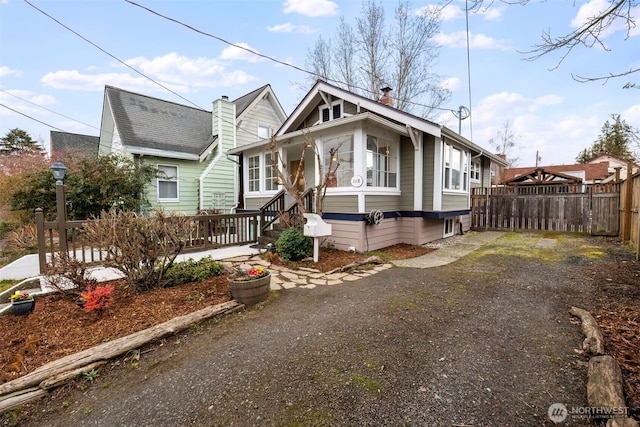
(62, 217)
(42, 250)
(628, 200)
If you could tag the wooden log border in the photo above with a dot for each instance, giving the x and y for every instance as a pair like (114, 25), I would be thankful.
(36, 384)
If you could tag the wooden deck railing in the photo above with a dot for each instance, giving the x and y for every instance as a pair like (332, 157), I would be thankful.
(207, 232)
(274, 208)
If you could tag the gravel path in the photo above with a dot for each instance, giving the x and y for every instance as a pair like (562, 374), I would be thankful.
(484, 341)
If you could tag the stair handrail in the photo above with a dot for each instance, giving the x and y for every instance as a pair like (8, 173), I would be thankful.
(275, 204)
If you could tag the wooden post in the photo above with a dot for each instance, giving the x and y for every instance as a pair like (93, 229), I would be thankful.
(62, 217)
(42, 249)
(628, 199)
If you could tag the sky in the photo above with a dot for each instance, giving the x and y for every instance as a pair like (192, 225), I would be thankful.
(57, 56)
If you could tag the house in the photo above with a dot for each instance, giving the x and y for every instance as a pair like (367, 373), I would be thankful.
(65, 142)
(187, 145)
(615, 163)
(400, 179)
(585, 173)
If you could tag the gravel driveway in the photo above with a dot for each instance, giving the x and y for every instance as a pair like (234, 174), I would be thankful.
(484, 341)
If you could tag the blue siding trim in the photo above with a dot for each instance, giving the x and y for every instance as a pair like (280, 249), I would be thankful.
(396, 214)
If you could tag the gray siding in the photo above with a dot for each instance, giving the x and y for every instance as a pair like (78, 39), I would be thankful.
(255, 203)
(340, 204)
(383, 203)
(262, 114)
(453, 202)
(427, 191)
(407, 168)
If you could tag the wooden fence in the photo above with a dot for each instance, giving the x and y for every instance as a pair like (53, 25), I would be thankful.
(630, 222)
(590, 209)
(207, 232)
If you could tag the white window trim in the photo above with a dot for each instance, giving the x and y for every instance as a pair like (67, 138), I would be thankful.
(262, 175)
(464, 154)
(453, 227)
(397, 162)
(267, 127)
(177, 181)
(475, 170)
(330, 107)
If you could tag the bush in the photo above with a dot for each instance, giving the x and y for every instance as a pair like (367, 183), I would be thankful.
(142, 247)
(192, 271)
(293, 245)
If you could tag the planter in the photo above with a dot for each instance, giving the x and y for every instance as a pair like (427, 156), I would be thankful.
(250, 292)
(23, 307)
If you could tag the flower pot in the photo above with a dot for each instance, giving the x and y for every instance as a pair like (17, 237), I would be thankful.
(250, 292)
(23, 307)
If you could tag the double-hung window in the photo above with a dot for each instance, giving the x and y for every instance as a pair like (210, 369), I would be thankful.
(253, 168)
(382, 162)
(475, 170)
(339, 160)
(455, 169)
(270, 174)
(167, 183)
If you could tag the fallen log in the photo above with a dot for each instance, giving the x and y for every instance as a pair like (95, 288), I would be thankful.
(63, 377)
(19, 398)
(371, 260)
(605, 394)
(594, 341)
(113, 348)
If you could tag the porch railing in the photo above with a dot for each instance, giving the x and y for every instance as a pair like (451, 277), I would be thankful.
(207, 232)
(274, 208)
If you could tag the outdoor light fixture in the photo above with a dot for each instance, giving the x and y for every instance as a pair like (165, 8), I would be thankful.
(59, 170)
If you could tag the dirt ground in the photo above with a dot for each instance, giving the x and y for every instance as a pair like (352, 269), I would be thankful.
(484, 341)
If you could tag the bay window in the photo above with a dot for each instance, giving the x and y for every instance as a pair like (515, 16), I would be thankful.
(338, 160)
(382, 162)
(455, 169)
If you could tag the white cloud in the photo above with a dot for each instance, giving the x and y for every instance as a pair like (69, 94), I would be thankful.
(451, 12)
(15, 98)
(311, 7)
(6, 71)
(452, 83)
(240, 53)
(479, 41)
(290, 28)
(595, 8)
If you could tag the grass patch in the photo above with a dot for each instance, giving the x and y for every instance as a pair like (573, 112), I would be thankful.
(367, 383)
(6, 284)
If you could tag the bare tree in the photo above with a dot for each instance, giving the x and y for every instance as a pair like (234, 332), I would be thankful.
(370, 56)
(504, 142)
(591, 33)
(288, 181)
(319, 60)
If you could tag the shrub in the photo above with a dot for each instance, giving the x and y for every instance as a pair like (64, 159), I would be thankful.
(68, 275)
(142, 247)
(192, 271)
(293, 245)
(97, 298)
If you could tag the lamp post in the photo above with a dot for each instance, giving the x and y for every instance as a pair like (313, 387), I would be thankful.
(59, 171)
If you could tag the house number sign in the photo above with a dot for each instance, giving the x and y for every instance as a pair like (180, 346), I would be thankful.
(356, 181)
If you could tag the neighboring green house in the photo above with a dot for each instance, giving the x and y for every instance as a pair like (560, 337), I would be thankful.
(401, 178)
(187, 144)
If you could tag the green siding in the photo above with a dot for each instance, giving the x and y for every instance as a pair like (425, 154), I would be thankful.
(188, 186)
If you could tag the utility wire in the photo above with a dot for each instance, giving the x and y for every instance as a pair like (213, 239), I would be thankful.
(466, 13)
(112, 56)
(32, 118)
(270, 58)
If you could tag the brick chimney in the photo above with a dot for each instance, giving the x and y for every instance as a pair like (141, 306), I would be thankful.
(386, 97)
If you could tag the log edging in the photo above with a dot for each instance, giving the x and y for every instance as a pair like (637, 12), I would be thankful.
(604, 378)
(36, 384)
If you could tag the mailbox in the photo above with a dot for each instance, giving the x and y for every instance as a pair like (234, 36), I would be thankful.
(315, 226)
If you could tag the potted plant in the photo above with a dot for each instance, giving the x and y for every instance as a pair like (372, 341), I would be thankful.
(250, 287)
(22, 303)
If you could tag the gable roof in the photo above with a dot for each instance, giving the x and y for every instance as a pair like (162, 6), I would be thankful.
(65, 142)
(592, 171)
(540, 175)
(152, 123)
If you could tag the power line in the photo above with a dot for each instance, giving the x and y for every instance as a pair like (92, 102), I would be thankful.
(270, 58)
(51, 111)
(32, 118)
(112, 56)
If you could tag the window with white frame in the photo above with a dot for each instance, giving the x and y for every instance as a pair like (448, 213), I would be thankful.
(167, 183)
(339, 160)
(331, 112)
(475, 170)
(448, 227)
(264, 132)
(455, 169)
(382, 162)
(253, 169)
(270, 174)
